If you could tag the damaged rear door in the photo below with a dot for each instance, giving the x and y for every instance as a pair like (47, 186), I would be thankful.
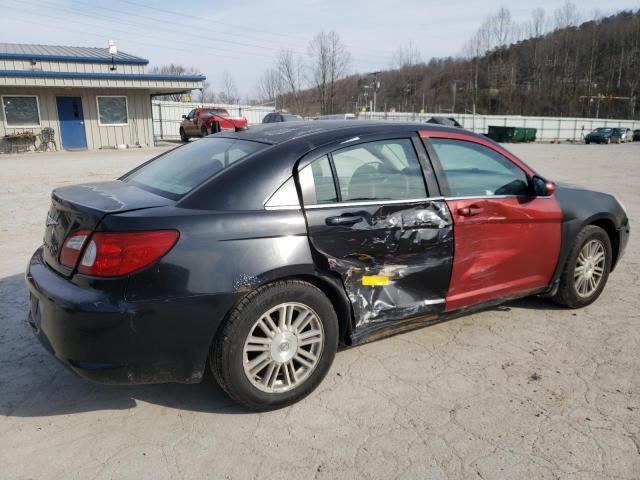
(376, 220)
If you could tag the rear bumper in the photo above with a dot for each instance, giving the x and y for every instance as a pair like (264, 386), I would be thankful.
(111, 340)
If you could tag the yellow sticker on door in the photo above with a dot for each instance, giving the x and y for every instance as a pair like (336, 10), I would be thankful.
(374, 280)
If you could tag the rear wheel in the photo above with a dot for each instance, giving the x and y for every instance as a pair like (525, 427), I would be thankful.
(183, 135)
(587, 269)
(276, 346)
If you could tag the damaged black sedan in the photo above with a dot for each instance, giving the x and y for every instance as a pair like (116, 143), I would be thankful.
(257, 253)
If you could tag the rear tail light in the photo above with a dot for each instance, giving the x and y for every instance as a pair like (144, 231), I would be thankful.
(119, 253)
(72, 247)
(115, 253)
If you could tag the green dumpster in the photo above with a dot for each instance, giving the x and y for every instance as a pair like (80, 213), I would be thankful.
(512, 134)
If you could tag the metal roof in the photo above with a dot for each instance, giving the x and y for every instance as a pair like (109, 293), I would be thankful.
(62, 53)
(103, 76)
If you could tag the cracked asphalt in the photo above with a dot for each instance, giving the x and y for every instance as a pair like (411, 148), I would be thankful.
(525, 390)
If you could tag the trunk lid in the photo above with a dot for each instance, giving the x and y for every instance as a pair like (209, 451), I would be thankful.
(82, 207)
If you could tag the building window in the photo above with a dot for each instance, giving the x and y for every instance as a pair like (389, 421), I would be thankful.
(112, 110)
(21, 110)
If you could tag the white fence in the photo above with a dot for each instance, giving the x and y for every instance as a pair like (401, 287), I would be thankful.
(168, 115)
(548, 128)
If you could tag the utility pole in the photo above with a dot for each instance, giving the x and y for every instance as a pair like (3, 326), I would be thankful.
(453, 94)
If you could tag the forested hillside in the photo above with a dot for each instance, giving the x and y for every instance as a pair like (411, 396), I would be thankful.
(556, 67)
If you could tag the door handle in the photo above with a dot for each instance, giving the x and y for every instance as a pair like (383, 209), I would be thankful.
(343, 220)
(470, 211)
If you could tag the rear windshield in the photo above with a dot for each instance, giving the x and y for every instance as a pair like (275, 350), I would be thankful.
(179, 171)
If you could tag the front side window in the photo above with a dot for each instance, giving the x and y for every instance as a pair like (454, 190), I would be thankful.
(21, 110)
(383, 170)
(112, 110)
(179, 171)
(473, 170)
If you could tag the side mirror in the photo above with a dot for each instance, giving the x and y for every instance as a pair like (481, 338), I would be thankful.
(542, 187)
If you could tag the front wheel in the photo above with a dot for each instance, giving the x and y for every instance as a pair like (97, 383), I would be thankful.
(587, 268)
(183, 135)
(276, 346)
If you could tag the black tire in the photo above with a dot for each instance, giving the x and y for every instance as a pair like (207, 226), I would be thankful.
(183, 135)
(567, 294)
(608, 140)
(215, 127)
(204, 132)
(587, 142)
(226, 355)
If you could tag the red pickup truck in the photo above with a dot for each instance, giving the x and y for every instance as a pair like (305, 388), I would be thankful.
(200, 122)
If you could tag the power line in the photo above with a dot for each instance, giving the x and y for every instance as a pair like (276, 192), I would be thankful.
(174, 13)
(194, 34)
(101, 36)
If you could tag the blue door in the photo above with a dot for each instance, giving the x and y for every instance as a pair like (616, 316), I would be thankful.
(71, 123)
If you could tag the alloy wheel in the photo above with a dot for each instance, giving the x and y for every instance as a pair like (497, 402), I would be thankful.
(589, 268)
(283, 347)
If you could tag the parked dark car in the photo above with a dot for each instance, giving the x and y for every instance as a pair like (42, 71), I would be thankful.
(276, 117)
(258, 252)
(636, 135)
(447, 121)
(603, 135)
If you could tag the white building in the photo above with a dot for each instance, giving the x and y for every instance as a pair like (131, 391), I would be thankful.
(90, 98)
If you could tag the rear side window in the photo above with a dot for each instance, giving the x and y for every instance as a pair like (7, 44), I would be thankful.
(181, 170)
(473, 170)
(383, 170)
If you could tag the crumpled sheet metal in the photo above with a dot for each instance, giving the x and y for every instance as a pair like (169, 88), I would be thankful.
(407, 248)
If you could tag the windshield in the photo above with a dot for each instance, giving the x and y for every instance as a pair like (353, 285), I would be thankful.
(181, 170)
(215, 111)
(603, 130)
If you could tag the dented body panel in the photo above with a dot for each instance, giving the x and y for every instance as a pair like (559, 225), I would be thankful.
(510, 245)
(395, 262)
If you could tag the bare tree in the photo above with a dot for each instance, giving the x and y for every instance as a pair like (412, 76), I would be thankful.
(290, 70)
(538, 24)
(501, 27)
(174, 69)
(229, 92)
(566, 16)
(329, 62)
(407, 56)
(269, 86)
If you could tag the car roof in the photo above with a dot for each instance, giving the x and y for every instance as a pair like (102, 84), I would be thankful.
(277, 133)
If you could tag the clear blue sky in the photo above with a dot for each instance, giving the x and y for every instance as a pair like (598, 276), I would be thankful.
(242, 36)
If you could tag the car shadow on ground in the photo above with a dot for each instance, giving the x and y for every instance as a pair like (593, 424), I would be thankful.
(33, 384)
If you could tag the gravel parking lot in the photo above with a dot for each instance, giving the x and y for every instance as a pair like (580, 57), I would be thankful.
(525, 390)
